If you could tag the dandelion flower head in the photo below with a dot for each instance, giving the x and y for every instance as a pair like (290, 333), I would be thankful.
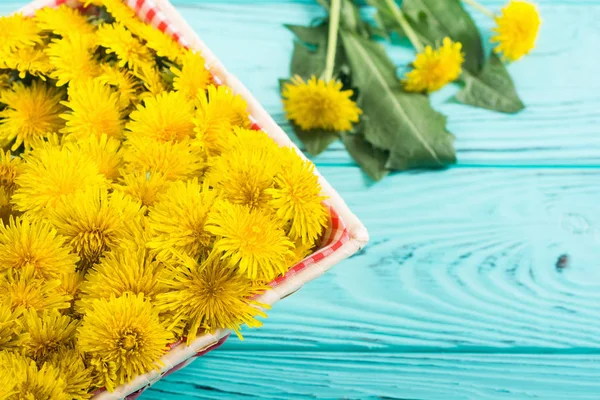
(48, 331)
(193, 75)
(72, 58)
(24, 289)
(94, 111)
(93, 221)
(121, 271)
(25, 243)
(32, 112)
(125, 331)
(164, 118)
(209, 297)
(516, 29)
(250, 240)
(316, 104)
(434, 69)
(298, 200)
(52, 172)
(178, 220)
(244, 172)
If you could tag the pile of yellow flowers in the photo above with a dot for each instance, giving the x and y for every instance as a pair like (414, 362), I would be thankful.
(138, 206)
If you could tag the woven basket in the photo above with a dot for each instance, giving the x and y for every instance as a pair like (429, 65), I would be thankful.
(344, 236)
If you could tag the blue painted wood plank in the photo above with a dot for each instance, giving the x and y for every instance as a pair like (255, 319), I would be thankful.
(335, 375)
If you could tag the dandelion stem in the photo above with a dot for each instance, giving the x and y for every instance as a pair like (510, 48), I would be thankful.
(401, 19)
(334, 26)
(480, 8)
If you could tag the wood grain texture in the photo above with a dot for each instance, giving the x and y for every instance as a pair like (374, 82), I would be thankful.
(334, 375)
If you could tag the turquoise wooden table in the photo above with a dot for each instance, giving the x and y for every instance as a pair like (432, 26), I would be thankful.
(458, 296)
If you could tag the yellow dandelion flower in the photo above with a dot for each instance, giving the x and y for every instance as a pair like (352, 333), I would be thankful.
(18, 31)
(152, 80)
(24, 244)
(209, 297)
(178, 219)
(124, 83)
(219, 110)
(434, 69)
(23, 289)
(250, 240)
(517, 29)
(73, 371)
(161, 43)
(47, 331)
(300, 252)
(143, 186)
(51, 173)
(175, 161)
(193, 75)
(63, 21)
(27, 381)
(95, 111)
(93, 221)
(166, 117)
(32, 112)
(11, 328)
(242, 174)
(122, 271)
(73, 58)
(297, 197)
(104, 151)
(317, 104)
(32, 60)
(115, 38)
(125, 331)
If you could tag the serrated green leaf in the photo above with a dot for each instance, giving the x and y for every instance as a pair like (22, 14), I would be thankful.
(316, 141)
(403, 123)
(306, 62)
(492, 88)
(313, 35)
(435, 19)
(370, 159)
